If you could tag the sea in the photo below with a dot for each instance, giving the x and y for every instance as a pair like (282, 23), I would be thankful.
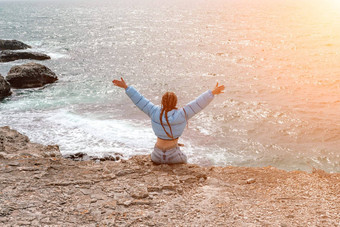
(278, 59)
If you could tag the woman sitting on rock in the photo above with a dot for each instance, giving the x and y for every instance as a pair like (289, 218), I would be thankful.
(168, 122)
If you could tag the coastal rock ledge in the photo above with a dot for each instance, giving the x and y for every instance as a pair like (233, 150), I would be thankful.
(7, 56)
(5, 89)
(30, 75)
(41, 188)
(12, 45)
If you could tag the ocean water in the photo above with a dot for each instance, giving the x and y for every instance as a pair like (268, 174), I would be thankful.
(279, 61)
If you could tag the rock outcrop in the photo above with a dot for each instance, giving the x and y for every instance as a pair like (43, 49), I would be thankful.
(30, 75)
(12, 45)
(41, 188)
(6, 56)
(80, 156)
(5, 89)
(14, 144)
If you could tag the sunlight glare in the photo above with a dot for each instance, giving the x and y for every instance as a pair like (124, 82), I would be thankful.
(335, 4)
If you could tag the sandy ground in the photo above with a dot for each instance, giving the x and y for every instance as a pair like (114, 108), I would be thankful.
(41, 188)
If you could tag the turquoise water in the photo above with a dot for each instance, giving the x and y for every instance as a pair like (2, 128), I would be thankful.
(278, 60)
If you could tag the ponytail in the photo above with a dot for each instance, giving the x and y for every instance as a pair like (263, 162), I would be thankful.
(167, 121)
(169, 102)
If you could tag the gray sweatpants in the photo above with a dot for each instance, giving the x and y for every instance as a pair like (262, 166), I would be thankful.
(171, 156)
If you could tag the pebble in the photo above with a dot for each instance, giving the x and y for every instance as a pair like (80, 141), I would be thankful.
(251, 181)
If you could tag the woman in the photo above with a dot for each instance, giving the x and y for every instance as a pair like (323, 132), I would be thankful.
(168, 122)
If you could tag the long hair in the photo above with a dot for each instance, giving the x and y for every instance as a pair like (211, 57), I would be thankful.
(169, 102)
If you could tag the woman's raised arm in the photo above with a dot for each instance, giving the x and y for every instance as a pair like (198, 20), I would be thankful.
(138, 99)
(202, 101)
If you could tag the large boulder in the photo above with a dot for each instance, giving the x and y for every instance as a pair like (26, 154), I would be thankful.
(12, 45)
(6, 56)
(30, 75)
(5, 88)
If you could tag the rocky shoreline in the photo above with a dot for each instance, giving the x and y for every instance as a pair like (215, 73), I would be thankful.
(39, 187)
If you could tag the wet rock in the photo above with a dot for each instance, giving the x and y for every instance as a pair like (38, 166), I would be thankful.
(5, 88)
(12, 45)
(30, 75)
(80, 156)
(107, 158)
(7, 56)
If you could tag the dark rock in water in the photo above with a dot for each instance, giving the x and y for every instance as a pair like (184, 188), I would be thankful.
(30, 75)
(6, 56)
(12, 45)
(5, 89)
(80, 156)
(108, 158)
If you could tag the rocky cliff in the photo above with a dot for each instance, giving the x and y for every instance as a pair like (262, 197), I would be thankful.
(41, 188)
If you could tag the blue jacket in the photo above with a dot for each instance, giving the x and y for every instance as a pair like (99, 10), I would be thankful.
(176, 117)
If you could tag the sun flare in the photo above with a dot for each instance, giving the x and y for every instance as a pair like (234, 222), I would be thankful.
(335, 4)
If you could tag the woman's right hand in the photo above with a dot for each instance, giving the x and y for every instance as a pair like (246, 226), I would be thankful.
(120, 83)
(218, 89)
